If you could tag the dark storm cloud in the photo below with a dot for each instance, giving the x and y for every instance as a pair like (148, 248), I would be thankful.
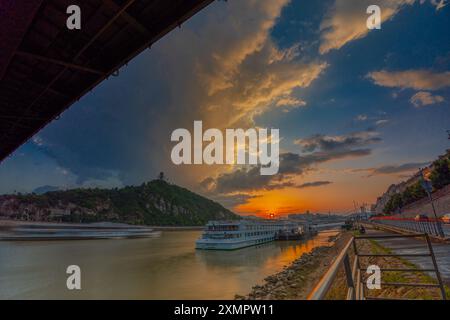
(318, 149)
(231, 201)
(314, 184)
(106, 135)
(394, 169)
(123, 128)
(291, 164)
(342, 142)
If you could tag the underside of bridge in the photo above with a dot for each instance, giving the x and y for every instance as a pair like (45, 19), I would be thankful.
(45, 67)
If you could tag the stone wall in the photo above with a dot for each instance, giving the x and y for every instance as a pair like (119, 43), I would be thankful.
(441, 203)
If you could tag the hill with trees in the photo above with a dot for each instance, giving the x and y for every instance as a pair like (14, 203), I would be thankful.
(439, 176)
(153, 203)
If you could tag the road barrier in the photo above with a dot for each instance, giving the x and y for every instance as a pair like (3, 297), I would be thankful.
(354, 275)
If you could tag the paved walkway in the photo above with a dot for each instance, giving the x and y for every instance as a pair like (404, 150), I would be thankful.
(413, 245)
(446, 229)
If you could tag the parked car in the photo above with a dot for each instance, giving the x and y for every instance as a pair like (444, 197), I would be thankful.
(421, 217)
(446, 218)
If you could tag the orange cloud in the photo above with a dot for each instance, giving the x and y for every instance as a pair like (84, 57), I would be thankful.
(413, 79)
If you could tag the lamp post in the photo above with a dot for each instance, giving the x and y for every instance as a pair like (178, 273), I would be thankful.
(427, 185)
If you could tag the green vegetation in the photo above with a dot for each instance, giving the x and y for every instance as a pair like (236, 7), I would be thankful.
(153, 203)
(411, 194)
(440, 176)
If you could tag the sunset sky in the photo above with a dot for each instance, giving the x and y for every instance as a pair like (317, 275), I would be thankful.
(357, 110)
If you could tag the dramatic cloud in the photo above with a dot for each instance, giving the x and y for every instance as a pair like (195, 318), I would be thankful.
(347, 21)
(233, 70)
(314, 184)
(289, 103)
(317, 149)
(291, 165)
(221, 67)
(413, 79)
(423, 98)
(250, 179)
(394, 169)
(266, 79)
(234, 200)
(343, 142)
(439, 4)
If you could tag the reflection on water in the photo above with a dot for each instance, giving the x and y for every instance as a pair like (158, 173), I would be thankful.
(167, 267)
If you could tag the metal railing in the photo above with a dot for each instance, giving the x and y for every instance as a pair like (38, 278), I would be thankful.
(431, 226)
(354, 275)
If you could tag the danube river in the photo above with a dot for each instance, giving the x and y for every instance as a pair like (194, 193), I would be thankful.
(166, 267)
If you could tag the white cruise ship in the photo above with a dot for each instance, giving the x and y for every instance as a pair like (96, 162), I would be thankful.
(230, 235)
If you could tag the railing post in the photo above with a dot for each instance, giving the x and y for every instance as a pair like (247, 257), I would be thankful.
(320, 290)
(349, 276)
(438, 274)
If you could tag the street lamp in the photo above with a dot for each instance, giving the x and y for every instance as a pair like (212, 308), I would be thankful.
(427, 185)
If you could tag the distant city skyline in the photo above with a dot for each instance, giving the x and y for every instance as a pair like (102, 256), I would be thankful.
(357, 109)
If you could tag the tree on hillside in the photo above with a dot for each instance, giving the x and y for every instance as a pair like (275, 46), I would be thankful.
(413, 193)
(395, 203)
(440, 176)
(388, 207)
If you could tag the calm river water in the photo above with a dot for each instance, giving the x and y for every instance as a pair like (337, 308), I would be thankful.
(167, 267)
